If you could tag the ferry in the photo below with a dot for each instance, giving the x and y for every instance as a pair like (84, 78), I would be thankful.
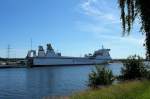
(51, 58)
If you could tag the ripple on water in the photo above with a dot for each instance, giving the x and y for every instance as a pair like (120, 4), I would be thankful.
(35, 83)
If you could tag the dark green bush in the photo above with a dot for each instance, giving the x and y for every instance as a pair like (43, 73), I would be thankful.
(134, 68)
(100, 76)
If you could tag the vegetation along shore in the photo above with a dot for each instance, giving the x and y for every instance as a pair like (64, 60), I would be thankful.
(133, 83)
(125, 90)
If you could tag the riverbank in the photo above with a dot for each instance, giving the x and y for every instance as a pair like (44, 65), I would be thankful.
(125, 90)
(56, 97)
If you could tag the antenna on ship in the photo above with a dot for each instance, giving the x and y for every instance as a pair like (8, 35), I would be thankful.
(8, 53)
(102, 47)
(31, 43)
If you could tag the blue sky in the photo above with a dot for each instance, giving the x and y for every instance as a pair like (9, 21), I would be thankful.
(73, 27)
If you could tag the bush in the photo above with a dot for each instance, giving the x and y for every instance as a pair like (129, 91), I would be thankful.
(100, 76)
(133, 68)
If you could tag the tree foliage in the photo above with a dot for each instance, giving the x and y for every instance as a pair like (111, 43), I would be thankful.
(130, 9)
(134, 68)
(100, 76)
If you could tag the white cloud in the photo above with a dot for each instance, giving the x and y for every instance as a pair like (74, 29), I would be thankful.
(99, 10)
(102, 17)
(122, 40)
(102, 21)
(107, 26)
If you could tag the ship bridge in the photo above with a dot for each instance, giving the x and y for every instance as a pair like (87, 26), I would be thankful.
(42, 53)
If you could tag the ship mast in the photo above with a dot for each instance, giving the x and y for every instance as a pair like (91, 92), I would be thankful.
(8, 53)
(102, 47)
(31, 43)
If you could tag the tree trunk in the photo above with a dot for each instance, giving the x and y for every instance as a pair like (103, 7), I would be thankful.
(145, 18)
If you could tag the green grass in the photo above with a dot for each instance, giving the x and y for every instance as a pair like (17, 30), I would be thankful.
(126, 90)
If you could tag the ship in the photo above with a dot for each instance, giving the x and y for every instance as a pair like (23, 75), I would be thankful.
(52, 58)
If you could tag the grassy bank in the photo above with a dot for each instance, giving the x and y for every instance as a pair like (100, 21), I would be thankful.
(125, 90)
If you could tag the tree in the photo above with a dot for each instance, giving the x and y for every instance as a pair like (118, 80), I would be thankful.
(133, 68)
(100, 76)
(131, 9)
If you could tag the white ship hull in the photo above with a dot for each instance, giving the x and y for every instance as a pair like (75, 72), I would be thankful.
(67, 61)
(51, 58)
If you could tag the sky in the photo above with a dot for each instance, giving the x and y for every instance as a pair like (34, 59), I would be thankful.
(73, 27)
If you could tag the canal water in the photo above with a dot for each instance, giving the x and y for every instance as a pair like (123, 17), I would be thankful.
(35, 83)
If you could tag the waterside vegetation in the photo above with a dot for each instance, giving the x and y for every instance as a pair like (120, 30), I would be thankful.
(134, 82)
(100, 76)
(134, 68)
(124, 90)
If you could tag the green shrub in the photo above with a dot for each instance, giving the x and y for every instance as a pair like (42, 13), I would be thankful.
(100, 76)
(133, 68)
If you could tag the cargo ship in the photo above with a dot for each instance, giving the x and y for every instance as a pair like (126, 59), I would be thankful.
(51, 58)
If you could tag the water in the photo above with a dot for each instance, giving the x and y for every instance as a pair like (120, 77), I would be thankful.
(35, 83)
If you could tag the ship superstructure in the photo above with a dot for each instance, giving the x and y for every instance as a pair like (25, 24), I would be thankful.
(50, 57)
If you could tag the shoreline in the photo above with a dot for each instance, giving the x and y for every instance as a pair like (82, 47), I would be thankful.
(56, 97)
(13, 66)
(25, 66)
